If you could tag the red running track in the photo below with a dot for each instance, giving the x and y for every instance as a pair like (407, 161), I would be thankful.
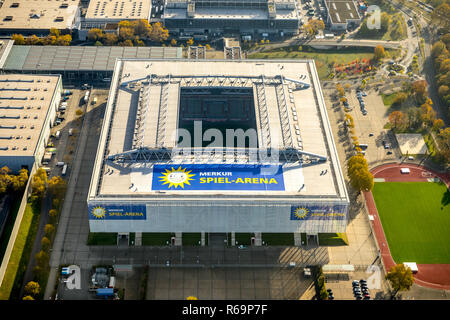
(436, 276)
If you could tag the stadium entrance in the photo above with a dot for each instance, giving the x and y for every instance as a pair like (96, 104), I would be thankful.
(218, 108)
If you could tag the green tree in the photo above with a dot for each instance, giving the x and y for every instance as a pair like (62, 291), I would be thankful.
(400, 278)
(32, 288)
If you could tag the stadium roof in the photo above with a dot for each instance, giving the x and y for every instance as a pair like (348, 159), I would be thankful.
(24, 104)
(143, 107)
(79, 58)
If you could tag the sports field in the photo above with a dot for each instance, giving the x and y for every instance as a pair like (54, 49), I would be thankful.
(416, 220)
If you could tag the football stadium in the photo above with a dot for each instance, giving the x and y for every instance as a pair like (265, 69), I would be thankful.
(216, 146)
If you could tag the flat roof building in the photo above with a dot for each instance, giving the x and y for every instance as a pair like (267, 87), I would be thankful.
(28, 106)
(148, 179)
(77, 63)
(341, 14)
(101, 12)
(37, 17)
(231, 16)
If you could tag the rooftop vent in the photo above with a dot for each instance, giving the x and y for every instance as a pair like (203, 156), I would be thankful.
(57, 19)
(8, 18)
(64, 5)
(15, 5)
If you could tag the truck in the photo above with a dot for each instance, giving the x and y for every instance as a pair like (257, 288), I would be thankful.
(47, 158)
(105, 293)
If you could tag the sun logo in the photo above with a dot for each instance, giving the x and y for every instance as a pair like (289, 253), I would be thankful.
(176, 178)
(301, 213)
(99, 212)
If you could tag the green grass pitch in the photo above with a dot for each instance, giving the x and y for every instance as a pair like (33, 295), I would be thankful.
(416, 220)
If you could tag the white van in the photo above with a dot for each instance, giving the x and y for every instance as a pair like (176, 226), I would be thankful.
(62, 108)
(70, 131)
(60, 164)
(58, 134)
(64, 170)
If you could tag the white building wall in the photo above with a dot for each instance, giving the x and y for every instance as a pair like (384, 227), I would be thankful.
(219, 218)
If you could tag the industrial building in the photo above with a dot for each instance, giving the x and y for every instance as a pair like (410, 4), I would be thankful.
(77, 64)
(209, 17)
(100, 13)
(37, 17)
(342, 14)
(273, 167)
(28, 105)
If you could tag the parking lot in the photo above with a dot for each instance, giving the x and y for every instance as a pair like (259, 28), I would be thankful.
(369, 128)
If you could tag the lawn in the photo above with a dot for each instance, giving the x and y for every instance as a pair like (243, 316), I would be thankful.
(323, 58)
(102, 239)
(388, 99)
(156, 238)
(20, 255)
(191, 239)
(416, 220)
(278, 239)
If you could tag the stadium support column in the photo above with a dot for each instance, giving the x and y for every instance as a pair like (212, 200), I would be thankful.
(258, 239)
(203, 239)
(178, 238)
(297, 239)
(233, 238)
(138, 239)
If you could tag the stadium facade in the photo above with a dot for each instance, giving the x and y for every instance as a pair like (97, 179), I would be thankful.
(157, 171)
(208, 17)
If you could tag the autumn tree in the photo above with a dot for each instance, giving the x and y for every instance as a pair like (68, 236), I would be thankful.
(45, 244)
(400, 277)
(18, 39)
(173, 42)
(190, 42)
(359, 174)
(396, 119)
(379, 53)
(399, 98)
(340, 90)
(48, 230)
(313, 26)
(158, 32)
(438, 124)
(28, 298)
(39, 183)
(95, 34)
(420, 91)
(42, 258)
(110, 39)
(441, 15)
(427, 114)
(57, 186)
(32, 288)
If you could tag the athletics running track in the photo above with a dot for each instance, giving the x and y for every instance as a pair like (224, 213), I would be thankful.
(436, 276)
